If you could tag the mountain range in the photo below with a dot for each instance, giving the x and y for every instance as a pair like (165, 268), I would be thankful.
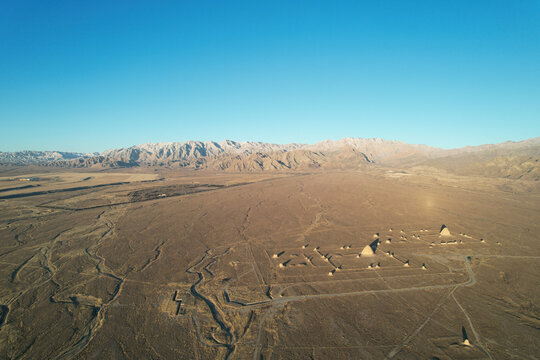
(507, 159)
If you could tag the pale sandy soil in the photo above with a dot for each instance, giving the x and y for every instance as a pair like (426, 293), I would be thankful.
(170, 264)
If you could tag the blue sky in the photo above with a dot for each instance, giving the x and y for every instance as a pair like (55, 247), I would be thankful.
(94, 75)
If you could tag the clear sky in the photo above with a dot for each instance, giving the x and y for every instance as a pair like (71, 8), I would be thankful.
(93, 75)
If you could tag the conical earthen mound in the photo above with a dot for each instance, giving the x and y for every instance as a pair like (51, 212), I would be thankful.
(445, 231)
(367, 251)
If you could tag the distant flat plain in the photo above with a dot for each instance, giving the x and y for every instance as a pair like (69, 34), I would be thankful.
(155, 263)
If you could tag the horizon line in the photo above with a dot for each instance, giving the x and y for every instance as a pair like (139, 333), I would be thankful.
(270, 143)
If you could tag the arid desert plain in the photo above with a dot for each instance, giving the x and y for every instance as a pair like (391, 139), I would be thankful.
(156, 263)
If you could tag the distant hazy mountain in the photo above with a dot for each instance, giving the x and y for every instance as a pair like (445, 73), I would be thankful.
(39, 157)
(379, 150)
(513, 160)
(507, 159)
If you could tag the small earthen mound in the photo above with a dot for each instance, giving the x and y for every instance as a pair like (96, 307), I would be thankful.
(406, 264)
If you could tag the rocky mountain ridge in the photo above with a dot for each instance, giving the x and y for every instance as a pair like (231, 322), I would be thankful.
(508, 159)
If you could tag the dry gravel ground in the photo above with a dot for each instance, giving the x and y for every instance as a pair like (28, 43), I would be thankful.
(201, 265)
